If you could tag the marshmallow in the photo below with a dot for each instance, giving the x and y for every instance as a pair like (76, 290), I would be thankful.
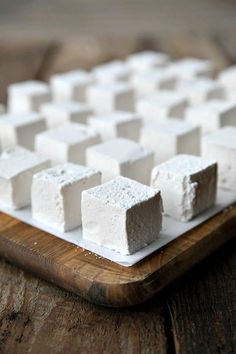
(122, 215)
(161, 105)
(200, 90)
(114, 70)
(121, 157)
(221, 146)
(212, 115)
(58, 113)
(230, 94)
(169, 138)
(146, 60)
(17, 167)
(188, 185)
(27, 96)
(20, 129)
(117, 124)
(153, 80)
(56, 195)
(227, 77)
(104, 98)
(71, 86)
(188, 68)
(66, 143)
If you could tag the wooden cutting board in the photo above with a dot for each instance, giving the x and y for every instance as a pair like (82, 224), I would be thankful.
(104, 282)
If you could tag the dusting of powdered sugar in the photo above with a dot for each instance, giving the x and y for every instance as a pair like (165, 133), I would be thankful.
(122, 192)
(16, 159)
(185, 165)
(66, 174)
(121, 150)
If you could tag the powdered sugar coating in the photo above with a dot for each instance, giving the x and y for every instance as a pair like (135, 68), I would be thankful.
(123, 192)
(121, 150)
(66, 174)
(20, 119)
(185, 165)
(70, 133)
(224, 137)
(15, 160)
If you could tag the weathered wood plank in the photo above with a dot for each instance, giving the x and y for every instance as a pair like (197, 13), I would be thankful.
(36, 317)
(203, 306)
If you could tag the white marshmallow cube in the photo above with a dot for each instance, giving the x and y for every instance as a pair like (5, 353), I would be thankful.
(169, 138)
(153, 80)
(146, 60)
(17, 167)
(200, 90)
(161, 105)
(27, 96)
(111, 71)
(67, 143)
(227, 77)
(117, 124)
(212, 115)
(121, 157)
(56, 195)
(221, 146)
(71, 86)
(188, 68)
(122, 215)
(108, 97)
(21, 129)
(188, 185)
(58, 113)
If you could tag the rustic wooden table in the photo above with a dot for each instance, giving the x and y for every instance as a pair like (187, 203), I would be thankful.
(194, 315)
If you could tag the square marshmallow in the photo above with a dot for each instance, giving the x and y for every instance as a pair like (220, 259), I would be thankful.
(104, 98)
(67, 143)
(17, 167)
(188, 68)
(20, 129)
(227, 77)
(117, 124)
(153, 80)
(146, 60)
(27, 96)
(121, 157)
(161, 105)
(122, 215)
(56, 194)
(114, 70)
(200, 90)
(221, 146)
(188, 185)
(71, 86)
(58, 113)
(212, 115)
(170, 138)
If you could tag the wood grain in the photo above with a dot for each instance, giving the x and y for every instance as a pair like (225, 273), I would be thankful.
(200, 311)
(195, 315)
(104, 282)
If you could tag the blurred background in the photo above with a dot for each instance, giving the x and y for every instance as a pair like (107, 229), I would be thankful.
(41, 37)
